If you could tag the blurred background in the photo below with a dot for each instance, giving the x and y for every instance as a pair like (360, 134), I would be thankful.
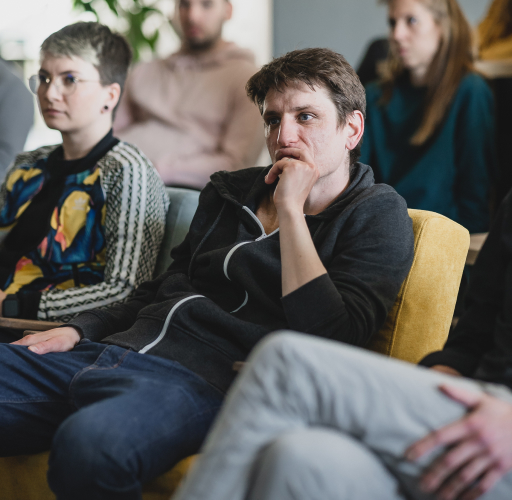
(268, 27)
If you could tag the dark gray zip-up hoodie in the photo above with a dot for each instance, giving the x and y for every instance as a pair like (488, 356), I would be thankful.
(222, 293)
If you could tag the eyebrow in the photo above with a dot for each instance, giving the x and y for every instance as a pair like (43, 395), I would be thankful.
(270, 112)
(41, 70)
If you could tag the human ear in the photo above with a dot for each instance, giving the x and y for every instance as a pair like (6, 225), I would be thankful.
(355, 127)
(229, 11)
(112, 95)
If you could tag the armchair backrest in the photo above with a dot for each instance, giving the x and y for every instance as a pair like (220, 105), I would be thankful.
(420, 319)
(183, 204)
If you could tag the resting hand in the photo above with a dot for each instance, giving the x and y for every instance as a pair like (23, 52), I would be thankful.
(479, 448)
(55, 340)
(297, 175)
(446, 369)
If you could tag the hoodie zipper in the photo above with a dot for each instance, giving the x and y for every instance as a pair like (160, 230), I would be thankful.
(236, 247)
(166, 324)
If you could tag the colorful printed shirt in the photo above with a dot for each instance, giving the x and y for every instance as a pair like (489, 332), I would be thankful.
(102, 237)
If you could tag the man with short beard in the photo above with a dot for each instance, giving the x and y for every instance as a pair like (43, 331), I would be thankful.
(189, 112)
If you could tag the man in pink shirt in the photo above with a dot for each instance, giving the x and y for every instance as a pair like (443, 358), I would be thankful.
(189, 113)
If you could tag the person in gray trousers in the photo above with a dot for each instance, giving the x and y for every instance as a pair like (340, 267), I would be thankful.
(16, 116)
(313, 419)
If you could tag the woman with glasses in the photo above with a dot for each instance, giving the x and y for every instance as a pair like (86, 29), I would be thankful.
(85, 218)
(430, 119)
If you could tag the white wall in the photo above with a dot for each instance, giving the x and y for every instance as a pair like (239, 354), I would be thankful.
(346, 26)
(24, 24)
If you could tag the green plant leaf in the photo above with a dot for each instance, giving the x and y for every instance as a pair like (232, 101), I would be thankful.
(135, 14)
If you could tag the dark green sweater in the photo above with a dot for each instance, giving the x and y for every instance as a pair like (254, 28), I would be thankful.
(450, 173)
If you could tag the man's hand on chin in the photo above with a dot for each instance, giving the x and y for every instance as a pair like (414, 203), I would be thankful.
(55, 340)
(478, 448)
(297, 175)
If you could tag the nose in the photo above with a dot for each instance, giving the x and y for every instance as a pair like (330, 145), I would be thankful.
(194, 13)
(288, 132)
(399, 31)
(51, 92)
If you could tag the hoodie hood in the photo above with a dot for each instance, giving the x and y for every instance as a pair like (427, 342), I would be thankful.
(246, 187)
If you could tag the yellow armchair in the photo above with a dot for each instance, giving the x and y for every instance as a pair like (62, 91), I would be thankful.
(418, 324)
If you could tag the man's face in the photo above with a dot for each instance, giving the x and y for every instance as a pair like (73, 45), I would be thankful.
(299, 117)
(202, 20)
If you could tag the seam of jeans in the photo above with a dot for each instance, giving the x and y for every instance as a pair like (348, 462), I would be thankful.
(93, 367)
(31, 400)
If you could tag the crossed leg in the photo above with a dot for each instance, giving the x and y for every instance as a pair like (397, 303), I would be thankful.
(297, 390)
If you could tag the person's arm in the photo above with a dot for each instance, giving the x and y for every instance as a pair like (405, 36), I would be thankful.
(475, 155)
(136, 207)
(478, 448)
(299, 259)
(473, 336)
(348, 298)
(96, 324)
(240, 145)
(16, 118)
(371, 258)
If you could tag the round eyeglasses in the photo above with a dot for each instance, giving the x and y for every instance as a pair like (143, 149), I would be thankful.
(65, 84)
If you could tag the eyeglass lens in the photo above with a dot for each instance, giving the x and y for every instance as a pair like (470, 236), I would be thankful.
(65, 84)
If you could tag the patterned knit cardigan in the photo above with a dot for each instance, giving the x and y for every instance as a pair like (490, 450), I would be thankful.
(104, 236)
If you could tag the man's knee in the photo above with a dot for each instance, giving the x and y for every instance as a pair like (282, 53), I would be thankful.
(86, 454)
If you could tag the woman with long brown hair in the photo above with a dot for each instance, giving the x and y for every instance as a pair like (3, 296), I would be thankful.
(430, 119)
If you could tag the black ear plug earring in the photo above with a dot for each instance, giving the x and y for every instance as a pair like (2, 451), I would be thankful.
(105, 107)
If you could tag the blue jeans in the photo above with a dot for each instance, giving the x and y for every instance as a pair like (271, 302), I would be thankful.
(113, 418)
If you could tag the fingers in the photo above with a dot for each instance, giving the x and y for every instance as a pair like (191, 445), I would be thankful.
(464, 478)
(284, 156)
(442, 437)
(295, 153)
(33, 339)
(53, 344)
(448, 463)
(446, 369)
(466, 397)
(55, 340)
(486, 482)
(274, 172)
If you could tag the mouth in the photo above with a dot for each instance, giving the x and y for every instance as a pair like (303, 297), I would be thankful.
(193, 31)
(52, 112)
(285, 153)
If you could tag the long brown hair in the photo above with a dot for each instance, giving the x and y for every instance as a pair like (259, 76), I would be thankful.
(496, 25)
(453, 60)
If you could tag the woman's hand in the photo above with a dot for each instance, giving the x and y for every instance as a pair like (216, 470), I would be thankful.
(55, 340)
(297, 175)
(478, 448)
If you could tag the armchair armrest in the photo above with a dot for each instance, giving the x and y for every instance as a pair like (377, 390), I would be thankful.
(27, 324)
